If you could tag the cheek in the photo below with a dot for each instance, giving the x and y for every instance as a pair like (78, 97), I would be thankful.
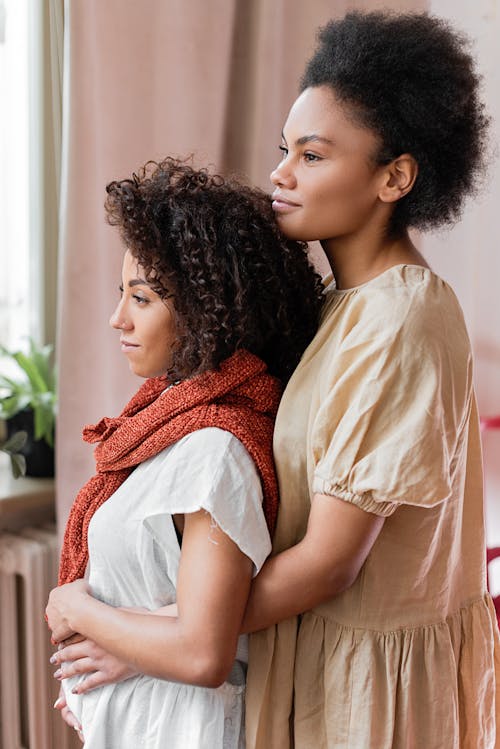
(349, 195)
(345, 185)
(162, 340)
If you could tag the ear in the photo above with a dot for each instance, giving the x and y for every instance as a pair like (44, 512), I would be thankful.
(398, 178)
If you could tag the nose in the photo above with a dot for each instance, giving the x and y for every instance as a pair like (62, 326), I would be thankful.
(118, 319)
(283, 175)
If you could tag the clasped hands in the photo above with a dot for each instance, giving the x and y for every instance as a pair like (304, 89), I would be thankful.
(78, 655)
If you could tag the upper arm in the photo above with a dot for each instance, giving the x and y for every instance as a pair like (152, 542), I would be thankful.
(339, 537)
(212, 586)
(395, 398)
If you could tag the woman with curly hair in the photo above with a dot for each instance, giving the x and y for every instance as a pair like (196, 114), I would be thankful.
(387, 636)
(216, 308)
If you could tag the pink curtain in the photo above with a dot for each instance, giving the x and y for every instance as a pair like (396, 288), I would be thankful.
(142, 81)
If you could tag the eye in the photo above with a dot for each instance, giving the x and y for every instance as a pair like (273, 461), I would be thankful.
(120, 289)
(284, 151)
(311, 157)
(140, 299)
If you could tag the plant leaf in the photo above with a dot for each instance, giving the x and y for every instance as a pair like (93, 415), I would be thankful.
(27, 365)
(18, 465)
(7, 382)
(16, 442)
(9, 407)
(44, 421)
(41, 358)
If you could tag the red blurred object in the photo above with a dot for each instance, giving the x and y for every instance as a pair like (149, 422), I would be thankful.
(492, 422)
(489, 422)
(491, 554)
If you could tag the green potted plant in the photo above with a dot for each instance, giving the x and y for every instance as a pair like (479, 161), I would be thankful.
(28, 403)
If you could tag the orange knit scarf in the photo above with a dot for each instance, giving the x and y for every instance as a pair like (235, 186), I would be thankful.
(241, 398)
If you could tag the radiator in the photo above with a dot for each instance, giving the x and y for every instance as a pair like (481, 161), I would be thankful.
(28, 570)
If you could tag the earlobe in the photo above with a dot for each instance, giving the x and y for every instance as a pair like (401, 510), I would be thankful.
(399, 178)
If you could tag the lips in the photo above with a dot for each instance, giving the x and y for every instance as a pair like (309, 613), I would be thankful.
(282, 204)
(128, 345)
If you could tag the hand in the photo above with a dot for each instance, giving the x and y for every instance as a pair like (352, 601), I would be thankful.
(67, 715)
(63, 601)
(78, 655)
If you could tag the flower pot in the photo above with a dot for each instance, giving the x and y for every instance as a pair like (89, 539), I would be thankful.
(38, 453)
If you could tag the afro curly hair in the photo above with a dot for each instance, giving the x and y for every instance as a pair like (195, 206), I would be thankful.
(410, 79)
(213, 245)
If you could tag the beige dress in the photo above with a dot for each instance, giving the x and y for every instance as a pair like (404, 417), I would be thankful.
(381, 413)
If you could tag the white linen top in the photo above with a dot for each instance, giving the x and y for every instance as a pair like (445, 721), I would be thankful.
(134, 558)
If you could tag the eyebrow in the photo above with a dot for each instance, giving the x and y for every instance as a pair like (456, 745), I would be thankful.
(313, 138)
(137, 282)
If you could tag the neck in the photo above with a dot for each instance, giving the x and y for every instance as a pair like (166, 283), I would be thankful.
(354, 260)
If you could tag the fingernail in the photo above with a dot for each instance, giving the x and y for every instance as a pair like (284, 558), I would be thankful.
(53, 658)
(58, 702)
(58, 674)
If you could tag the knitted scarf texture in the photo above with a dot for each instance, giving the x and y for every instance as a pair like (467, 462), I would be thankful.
(240, 397)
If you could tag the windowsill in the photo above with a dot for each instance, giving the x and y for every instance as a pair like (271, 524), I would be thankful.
(24, 501)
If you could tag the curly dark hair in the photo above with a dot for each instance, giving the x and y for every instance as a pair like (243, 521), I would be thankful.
(213, 245)
(410, 79)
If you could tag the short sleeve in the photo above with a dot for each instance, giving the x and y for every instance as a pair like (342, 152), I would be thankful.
(211, 469)
(395, 400)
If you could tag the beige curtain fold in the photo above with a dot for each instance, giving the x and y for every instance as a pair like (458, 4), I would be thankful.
(143, 80)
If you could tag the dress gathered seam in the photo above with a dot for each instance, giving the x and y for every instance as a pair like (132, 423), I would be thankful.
(398, 630)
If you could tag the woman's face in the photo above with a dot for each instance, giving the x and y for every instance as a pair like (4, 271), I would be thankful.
(146, 322)
(327, 182)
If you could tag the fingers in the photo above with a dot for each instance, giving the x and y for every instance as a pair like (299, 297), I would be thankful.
(82, 648)
(67, 715)
(92, 681)
(61, 700)
(70, 719)
(75, 668)
(73, 640)
(60, 634)
(95, 664)
(73, 653)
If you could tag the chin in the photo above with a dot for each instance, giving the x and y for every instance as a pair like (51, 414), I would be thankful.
(297, 233)
(138, 371)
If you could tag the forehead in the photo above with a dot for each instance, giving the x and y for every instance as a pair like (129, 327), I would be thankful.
(317, 111)
(130, 267)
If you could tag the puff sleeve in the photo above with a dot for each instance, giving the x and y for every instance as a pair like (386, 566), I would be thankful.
(395, 401)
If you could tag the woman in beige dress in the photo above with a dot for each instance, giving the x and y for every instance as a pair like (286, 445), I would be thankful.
(387, 637)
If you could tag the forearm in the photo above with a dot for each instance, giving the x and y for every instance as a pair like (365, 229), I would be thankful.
(160, 646)
(327, 561)
(290, 583)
